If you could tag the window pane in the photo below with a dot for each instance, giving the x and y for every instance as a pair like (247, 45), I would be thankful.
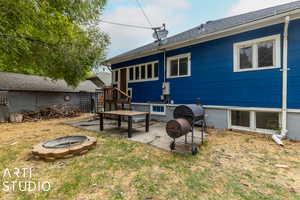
(156, 70)
(131, 74)
(116, 76)
(240, 118)
(265, 54)
(149, 71)
(183, 66)
(143, 72)
(137, 73)
(246, 58)
(267, 120)
(174, 68)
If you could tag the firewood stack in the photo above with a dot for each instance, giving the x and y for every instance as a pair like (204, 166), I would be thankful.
(52, 112)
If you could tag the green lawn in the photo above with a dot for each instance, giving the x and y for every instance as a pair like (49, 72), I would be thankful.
(229, 166)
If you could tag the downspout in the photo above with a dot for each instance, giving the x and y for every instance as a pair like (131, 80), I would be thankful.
(278, 138)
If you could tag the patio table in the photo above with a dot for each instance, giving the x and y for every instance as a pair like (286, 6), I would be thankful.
(125, 113)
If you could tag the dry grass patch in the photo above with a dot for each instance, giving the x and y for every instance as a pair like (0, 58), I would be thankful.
(231, 165)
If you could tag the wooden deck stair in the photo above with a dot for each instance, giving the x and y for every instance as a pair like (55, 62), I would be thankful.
(114, 97)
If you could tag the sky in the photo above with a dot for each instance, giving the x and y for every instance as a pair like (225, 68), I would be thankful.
(179, 16)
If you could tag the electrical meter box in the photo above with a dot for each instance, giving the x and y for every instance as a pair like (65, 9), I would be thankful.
(166, 88)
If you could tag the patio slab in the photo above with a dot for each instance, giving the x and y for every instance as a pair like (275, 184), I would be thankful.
(156, 136)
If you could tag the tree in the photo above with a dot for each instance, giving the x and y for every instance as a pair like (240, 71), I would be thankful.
(55, 38)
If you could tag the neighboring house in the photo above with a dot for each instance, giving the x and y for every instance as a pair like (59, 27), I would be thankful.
(245, 69)
(22, 93)
(101, 79)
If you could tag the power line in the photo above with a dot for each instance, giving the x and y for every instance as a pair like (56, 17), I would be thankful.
(127, 25)
(139, 4)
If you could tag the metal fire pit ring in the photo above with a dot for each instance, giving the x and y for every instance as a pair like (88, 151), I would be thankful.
(64, 147)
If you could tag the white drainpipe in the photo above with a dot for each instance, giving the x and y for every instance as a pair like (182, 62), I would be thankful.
(277, 138)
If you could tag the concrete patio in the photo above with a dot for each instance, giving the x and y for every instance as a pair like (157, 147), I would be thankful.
(156, 136)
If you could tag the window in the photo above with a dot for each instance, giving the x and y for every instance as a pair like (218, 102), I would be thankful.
(240, 118)
(179, 66)
(257, 121)
(131, 74)
(158, 109)
(155, 70)
(3, 98)
(149, 71)
(116, 76)
(267, 120)
(137, 73)
(262, 53)
(143, 72)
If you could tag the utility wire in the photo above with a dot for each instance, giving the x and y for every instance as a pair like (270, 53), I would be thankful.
(127, 25)
(139, 4)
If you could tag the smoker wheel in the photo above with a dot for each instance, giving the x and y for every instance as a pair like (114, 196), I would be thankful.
(194, 150)
(172, 145)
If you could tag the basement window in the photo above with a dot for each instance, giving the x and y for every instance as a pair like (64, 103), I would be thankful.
(240, 118)
(267, 120)
(158, 109)
(256, 121)
(179, 66)
(258, 54)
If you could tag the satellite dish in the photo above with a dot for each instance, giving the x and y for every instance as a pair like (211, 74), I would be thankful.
(160, 33)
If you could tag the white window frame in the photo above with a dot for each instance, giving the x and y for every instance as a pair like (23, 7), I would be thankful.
(128, 73)
(252, 127)
(254, 44)
(140, 70)
(188, 55)
(113, 76)
(158, 113)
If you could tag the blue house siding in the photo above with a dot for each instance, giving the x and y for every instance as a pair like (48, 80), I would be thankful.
(294, 65)
(213, 80)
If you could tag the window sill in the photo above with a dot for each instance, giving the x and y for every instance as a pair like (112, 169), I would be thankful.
(256, 130)
(143, 80)
(171, 77)
(158, 113)
(255, 69)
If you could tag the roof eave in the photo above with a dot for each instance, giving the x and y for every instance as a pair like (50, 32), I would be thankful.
(267, 21)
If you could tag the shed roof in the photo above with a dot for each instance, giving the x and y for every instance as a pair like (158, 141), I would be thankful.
(104, 77)
(211, 27)
(21, 82)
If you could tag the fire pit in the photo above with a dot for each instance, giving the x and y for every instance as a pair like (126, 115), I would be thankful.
(64, 147)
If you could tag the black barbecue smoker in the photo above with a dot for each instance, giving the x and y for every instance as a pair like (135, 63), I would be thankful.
(186, 117)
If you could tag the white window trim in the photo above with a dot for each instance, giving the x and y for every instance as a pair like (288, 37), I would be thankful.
(157, 113)
(178, 57)
(253, 43)
(113, 76)
(252, 127)
(146, 73)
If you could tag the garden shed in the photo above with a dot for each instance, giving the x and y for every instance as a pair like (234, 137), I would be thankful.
(23, 93)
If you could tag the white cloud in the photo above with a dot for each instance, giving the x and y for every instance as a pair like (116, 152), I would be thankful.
(244, 6)
(123, 39)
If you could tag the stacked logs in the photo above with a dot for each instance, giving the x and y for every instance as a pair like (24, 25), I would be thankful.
(50, 113)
